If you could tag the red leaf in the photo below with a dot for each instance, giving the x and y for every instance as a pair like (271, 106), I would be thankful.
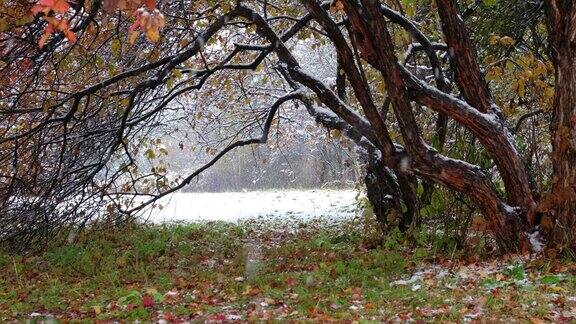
(38, 9)
(168, 316)
(70, 35)
(221, 317)
(22, 295)
(291, 282)
(148, 301)
(47, 3)
(150, 4)
(45, 6)
(60, 6)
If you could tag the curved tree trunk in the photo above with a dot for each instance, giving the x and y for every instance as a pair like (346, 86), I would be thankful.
(369, 33)
(383, 197)
(393, 197)
(504, 221)
(561, 204)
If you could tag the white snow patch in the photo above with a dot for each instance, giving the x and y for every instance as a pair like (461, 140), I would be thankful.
(535, 242)
(404, 164)
(416, 277)
(237, 206)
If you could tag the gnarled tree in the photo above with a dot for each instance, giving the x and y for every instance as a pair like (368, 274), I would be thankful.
(76, 111)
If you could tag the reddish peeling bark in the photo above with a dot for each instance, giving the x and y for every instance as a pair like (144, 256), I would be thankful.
(475, 90)
(485, 124)
(463, 57)
(561, 204)
(368, 33)
(376, 46)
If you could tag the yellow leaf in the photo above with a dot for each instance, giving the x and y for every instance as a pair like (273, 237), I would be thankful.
(153, 35)
(116, 47)
(177, 73)
(494, 39)
(150, 154)
(133, 36)
(521, 88)
(540, 68)
(151, 291)
(335, 133)
(494, 73)
(510, 65)
(507, 41)
(556, 289)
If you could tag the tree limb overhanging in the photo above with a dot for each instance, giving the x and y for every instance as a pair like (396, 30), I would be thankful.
(76, 120)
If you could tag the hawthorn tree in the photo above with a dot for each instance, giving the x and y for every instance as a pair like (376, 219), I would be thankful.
(82, 95)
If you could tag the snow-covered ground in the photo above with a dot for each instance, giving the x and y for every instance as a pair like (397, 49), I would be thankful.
(235, 206)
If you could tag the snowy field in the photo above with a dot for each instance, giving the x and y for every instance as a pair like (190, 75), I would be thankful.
(236, 206)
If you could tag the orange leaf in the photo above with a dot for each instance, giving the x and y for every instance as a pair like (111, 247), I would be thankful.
(60, 6)
(47, 33)
(46, 6)
(38, 9)
(133, 36)
(43, 39)
(150, 4)
(70, 36)
(46, 3)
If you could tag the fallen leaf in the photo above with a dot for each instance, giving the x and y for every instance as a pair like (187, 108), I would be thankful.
(147, 301)
(535, 320)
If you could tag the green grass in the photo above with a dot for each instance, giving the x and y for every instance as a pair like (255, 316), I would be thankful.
(221, 271)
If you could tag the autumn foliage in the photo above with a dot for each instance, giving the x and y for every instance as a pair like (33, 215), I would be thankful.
(147, 18)
(448, 104)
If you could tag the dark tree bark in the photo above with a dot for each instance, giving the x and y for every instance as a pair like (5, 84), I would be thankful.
(561, 203)
(473, 87)
(362, 40)
(382, 195)
(394, 201)
(377, 48)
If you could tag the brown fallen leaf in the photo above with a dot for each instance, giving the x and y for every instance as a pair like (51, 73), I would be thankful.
(535, 320)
